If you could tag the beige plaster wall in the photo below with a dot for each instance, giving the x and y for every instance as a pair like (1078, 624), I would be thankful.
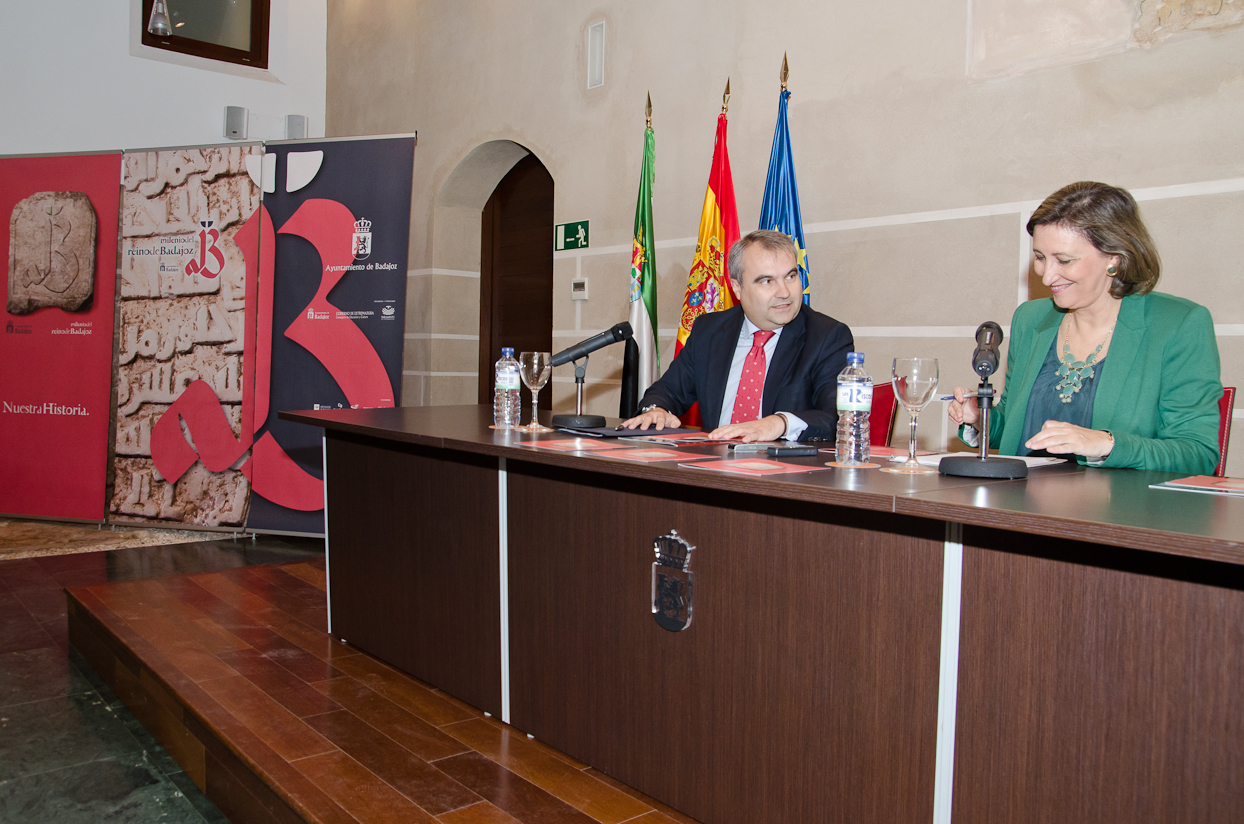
(915, 180)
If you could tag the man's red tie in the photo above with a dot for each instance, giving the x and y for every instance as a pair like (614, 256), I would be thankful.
(752, 381)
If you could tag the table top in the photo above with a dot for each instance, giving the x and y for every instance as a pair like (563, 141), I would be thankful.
(1105, 506)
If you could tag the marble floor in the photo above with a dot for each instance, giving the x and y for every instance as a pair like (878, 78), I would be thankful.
(69, 749)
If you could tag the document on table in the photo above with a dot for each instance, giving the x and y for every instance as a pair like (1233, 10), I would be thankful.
(1205, 483)
(576, 444)
(651, 455)
(936, 458)
(752, 466)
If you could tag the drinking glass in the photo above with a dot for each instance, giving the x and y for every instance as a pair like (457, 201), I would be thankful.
(535, 368)
(915, 381)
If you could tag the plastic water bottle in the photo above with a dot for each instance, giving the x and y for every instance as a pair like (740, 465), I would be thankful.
(855, 401)
(505, 400)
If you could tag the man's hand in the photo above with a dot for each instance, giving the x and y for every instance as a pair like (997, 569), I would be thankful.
(1059, 438)
(768, 428)
(656, 418)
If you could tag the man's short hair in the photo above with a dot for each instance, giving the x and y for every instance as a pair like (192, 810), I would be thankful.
(766, 239)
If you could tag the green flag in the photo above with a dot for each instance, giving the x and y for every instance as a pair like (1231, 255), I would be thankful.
(642, 365)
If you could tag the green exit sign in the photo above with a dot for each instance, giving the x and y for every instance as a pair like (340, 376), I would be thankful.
(570, 236)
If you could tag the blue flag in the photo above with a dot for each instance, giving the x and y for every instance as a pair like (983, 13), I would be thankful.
(780, 210)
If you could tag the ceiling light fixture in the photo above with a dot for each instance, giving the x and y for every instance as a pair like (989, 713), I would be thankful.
(159, 23)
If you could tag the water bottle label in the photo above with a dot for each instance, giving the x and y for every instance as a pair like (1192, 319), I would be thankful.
(507, 380)
(855, 397)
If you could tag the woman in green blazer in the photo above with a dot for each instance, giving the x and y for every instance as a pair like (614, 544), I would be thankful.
(1153, 402)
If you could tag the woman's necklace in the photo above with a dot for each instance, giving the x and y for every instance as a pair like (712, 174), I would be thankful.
(1074, 373)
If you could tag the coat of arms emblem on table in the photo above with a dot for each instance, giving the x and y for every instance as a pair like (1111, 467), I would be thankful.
(671, 582)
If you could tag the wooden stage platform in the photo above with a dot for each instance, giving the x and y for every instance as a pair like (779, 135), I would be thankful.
(235, 675)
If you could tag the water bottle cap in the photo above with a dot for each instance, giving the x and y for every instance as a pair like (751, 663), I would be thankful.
(855, 357)
(507, 351)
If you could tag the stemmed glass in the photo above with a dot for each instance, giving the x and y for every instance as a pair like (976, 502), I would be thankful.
(535, 368)
(915, 381)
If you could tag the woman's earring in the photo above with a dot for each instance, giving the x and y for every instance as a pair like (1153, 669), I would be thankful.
(1112, 270)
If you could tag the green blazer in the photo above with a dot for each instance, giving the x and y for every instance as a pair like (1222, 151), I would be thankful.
(1159, 387)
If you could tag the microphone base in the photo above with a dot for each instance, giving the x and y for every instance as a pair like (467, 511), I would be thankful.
(972, 467)
(579, 421)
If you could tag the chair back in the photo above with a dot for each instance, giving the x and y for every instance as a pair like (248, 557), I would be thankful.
(1226, 404)
(883, 414)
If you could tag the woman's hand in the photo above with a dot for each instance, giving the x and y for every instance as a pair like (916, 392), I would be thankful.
(1059, 438)
(963, 408)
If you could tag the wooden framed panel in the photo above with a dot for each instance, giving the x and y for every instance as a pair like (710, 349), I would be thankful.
(216, 31)
(413, 543)
(805, 688)
(1097, 684)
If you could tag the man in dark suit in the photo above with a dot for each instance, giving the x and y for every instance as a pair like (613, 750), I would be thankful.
(763, 370)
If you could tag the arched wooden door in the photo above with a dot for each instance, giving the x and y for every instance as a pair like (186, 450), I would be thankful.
(516, 270)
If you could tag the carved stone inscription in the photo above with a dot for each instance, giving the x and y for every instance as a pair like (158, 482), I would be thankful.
(183, 308)
(1159, 19)
(51, 253)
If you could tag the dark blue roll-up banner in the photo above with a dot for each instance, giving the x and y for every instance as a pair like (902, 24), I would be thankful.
(339, 215)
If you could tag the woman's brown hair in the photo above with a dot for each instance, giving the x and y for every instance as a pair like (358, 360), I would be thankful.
(1108, 218)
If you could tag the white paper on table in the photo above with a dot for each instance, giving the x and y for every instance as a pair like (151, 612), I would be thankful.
(935, 459)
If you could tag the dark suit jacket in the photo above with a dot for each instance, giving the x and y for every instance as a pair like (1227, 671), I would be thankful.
(802, 379)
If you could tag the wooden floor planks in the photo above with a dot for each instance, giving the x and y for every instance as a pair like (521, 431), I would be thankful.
(234, 672)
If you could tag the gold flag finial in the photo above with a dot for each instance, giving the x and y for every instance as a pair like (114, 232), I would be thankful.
(785, 71)
(725, 97)
(648, 110)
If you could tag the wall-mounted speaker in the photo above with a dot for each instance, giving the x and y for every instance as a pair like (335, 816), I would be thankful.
(295, 126)
(235, 122)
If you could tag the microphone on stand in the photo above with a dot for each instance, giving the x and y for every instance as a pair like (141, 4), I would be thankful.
(621, 331)
(581, 350)
(984, 364)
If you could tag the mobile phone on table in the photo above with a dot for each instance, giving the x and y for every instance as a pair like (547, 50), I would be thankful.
(791, 451)
(742, 448)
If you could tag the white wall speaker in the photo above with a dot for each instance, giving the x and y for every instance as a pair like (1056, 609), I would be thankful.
(235, 122)
(295, 126)
(596, 55)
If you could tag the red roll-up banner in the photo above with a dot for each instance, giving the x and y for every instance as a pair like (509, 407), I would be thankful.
(58, 228)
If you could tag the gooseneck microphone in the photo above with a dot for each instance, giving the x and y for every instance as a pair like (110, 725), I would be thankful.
(612, 335)
(985, 358)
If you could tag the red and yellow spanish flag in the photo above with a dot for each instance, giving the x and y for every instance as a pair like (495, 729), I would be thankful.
(708, 285)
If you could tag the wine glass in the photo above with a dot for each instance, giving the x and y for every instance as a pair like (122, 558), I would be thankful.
(915, 381)
(535, 368)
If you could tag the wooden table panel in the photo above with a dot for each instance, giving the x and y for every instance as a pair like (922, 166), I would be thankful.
(413, 543)
(805, 688)
(1097, 684)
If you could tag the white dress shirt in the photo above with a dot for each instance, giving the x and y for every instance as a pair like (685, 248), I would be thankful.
(794, 424)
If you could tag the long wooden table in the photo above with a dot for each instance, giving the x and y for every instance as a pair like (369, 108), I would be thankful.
(865, 647)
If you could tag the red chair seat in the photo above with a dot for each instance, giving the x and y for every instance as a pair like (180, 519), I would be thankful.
(1226, 404)
(883, 414)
